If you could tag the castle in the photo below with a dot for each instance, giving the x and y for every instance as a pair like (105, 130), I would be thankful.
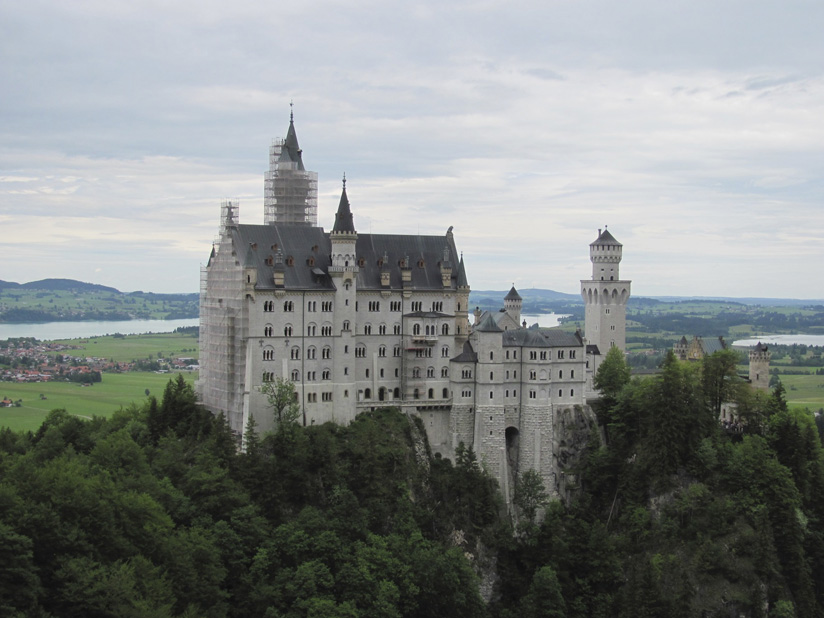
(357, 321)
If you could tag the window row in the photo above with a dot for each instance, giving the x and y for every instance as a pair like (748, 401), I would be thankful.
(430, 330)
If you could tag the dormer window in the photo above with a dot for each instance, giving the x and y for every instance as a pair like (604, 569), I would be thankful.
(290, 261)
(361, 262)
(310, 261)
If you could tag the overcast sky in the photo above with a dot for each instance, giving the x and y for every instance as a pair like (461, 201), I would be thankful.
(693, 129)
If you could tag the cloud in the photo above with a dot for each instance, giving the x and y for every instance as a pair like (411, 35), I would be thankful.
(125, 125)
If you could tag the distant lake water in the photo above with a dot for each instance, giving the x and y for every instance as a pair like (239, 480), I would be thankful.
(783, 340)
(47, 331)
(546, 320)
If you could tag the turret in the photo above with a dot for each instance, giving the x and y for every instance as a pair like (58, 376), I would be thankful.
(605, 253)
(513, 304)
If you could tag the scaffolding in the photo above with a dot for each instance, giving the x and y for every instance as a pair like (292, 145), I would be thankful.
(223, 325)
(290, 193)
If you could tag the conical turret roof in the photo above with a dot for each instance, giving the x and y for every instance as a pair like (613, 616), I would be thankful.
(344, 221)
(605, 238)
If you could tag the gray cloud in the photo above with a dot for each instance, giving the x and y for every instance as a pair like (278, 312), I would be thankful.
(692, 128)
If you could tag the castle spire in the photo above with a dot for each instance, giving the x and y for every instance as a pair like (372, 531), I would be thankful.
(344, 221)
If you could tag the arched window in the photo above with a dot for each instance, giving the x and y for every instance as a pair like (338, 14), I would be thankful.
(367, 393)
(446, 393)
(295, 375)
(267, 330)
(295, 353)
(287, 330)
(445, 329)
(396, 394)
(431, 393)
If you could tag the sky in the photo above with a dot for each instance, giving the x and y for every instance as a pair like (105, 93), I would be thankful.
(693, 129)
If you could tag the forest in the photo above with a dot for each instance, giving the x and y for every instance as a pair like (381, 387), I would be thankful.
(155, 512)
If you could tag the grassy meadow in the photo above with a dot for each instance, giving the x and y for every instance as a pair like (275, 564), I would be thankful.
(127, 348)
(101, 399)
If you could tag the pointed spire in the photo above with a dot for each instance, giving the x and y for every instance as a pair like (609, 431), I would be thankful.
(461, 279)
(343, 218)
(291, 149)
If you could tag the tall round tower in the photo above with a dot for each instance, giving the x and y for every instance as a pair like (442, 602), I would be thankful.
(605, 295)
(760, 367)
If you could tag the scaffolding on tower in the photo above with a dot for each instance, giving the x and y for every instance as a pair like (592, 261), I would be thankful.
(290, 192)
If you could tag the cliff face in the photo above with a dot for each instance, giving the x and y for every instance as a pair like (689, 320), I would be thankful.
(573, 430)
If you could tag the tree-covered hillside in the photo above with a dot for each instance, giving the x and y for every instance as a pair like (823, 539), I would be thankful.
(154, 513)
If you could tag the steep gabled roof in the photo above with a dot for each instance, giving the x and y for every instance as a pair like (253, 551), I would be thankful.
(513, 295)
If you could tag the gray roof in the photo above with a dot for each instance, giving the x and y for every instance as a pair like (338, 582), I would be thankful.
(760, 347)
(710, 346)
(525, 337)
(605, 238)
(513, 295)
(306, 249)
(487, 324)
(560, 339)
(467, 355)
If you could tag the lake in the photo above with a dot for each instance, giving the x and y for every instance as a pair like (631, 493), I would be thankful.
(47, 331)
(545, 320)
(782, 340)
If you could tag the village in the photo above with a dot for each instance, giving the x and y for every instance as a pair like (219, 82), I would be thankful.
(31, 360)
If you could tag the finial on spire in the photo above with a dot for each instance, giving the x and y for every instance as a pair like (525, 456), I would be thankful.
(344, 180)
(291, 111)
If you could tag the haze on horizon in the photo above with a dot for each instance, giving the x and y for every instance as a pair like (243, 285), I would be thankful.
(693, 129)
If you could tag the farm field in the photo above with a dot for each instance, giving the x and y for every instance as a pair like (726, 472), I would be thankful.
(804, 391)
(102, 399)
(127, 348)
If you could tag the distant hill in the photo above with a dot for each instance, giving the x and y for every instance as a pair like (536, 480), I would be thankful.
(67, 300)
(535, 295)
(58, 285)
